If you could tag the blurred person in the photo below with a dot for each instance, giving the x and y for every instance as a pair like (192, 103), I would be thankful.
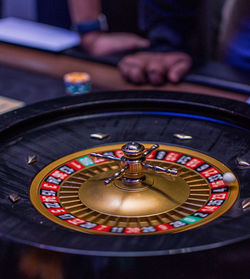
(163, 55)
(161, 49)
(235, 37)
(237, 52)
(168, 25)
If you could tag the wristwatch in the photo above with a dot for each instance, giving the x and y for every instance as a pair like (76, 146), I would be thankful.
(100, 24)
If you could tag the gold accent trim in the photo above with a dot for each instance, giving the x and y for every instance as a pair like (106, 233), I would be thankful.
(182, 136)
(32, 159)
(99, 136)
(243, 163)
(246, 203)
(14, 197)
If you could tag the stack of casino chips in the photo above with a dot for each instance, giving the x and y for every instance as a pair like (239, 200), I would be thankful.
(77, 83)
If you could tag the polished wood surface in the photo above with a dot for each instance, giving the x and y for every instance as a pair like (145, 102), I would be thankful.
(103, 76)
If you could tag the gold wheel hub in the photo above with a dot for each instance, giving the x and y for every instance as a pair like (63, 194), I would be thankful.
(157, 194)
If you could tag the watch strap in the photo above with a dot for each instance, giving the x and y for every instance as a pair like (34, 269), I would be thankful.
(100, 24)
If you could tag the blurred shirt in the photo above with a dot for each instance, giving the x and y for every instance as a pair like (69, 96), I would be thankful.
(238, 51)
(168, 23)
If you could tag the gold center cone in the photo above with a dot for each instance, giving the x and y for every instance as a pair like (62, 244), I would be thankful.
(158, 193)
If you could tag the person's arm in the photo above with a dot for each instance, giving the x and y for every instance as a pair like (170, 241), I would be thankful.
(100, 43)
(83, 10)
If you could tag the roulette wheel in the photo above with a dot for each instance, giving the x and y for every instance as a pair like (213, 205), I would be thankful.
(126, 174)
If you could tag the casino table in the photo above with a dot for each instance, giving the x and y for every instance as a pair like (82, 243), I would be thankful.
(48, 146)
(104, 75)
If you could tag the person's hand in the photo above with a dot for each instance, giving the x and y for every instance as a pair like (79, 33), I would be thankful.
(98, 43)
(154, 67)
